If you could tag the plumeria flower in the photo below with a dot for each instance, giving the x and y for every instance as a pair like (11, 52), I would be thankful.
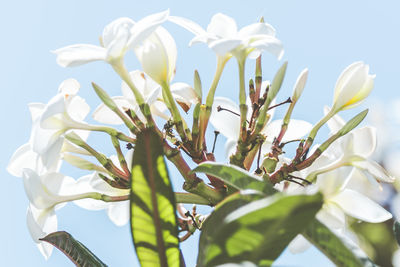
(339, 201)
(42, 152)
(118, 37)
(46, 193)
(354, 149)
(227, 123)
(183, 93)
(223, 37)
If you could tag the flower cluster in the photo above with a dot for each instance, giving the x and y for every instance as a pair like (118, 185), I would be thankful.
(255, 142)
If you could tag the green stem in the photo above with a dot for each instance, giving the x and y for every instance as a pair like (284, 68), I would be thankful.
(124, 74)
(178, 121)
(242, 100)
(190, 198)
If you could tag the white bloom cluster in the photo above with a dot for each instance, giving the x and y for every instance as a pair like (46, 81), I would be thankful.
(59, 129)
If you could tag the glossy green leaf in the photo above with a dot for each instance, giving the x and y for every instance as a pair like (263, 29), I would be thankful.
(259, 231)
(235, 177)
(338, 248)
(80, 255)
(153, 208)
(213, 223)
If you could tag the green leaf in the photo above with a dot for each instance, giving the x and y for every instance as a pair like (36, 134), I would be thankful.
(396, 230)
(73, 249)
(212, 225)
(235, 177)
(339, 249)
(153, 208)
(259, 231)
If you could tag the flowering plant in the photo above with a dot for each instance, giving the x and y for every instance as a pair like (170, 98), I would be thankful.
(263, 200)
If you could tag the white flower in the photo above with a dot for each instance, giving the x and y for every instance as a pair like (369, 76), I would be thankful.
(353, 86)
(183, 93)
(46, 192)
(227, 123)
(118, 36)
(354, 149)
(224, 38)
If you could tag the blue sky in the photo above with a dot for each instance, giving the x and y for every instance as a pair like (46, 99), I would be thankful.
(324, 36)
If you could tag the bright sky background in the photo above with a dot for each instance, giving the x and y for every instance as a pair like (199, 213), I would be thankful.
(324, 36)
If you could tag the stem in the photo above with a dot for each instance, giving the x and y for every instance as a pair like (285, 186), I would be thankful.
(121, 158)
(126, 77)
(190, 198)
(315, 129)
(242, 100)
(175, 112)
(221, 61)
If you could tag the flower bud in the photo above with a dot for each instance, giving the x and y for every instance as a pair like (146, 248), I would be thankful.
(353, 86)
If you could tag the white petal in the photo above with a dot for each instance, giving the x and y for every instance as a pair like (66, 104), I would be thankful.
(83, 186)
(361, 207)
(222, 26)
(257, 29)
(332, 216)
(145, 27)
(56, 105)
(40, 223)
(270, 44)
(296, 129)
(69, 87)
(118, 213)
(105, 115)
(299, 244)
(118, 45)
(79, 54)
(111, 31)
(36, 110)
(224, 121)
(189, 25)
(78, 109)
(183, 92)
(223, 46)
(51, 159)
(375, 170)
(364, 141)
(22, 158)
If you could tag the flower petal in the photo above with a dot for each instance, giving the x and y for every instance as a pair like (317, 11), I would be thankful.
(332, 216)
(361, 207)
(145, 27)
(22, 158)
(118, 213)
(364, 141)
(375, 170)
(188, 24)
(184, 94)
(111, 31)
(40, 223)
(268, 43)
(296, 129)
(222, 26)
(259, 28)
(223, 46)
(79, 54)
